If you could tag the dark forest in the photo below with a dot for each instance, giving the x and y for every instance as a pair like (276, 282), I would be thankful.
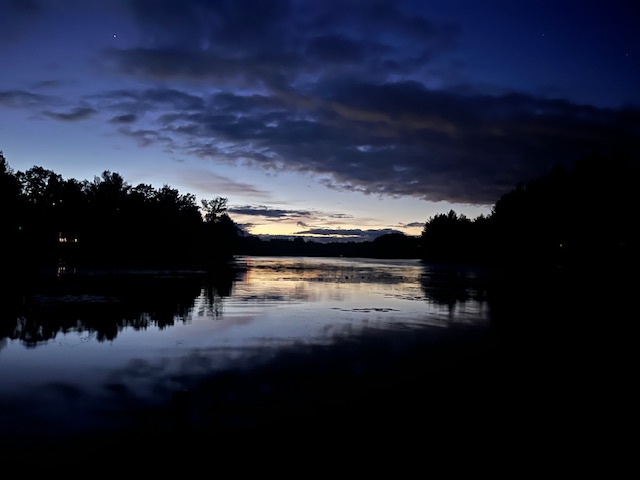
(567, 218)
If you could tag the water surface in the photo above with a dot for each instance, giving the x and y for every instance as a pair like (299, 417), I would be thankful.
(90, 350)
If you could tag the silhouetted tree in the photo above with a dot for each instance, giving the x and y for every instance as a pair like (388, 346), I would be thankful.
(447, 238)
(107, 222)
(214, 209)
(395, 245)
(577, 217)
(221, 234)
(11, 213)
(42, 191)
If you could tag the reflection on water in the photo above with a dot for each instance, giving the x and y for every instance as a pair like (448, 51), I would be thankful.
(103, 305)
(99, 343)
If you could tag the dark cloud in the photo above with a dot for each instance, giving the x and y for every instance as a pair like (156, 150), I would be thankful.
(414, 224)
(243, 24)
(317, 239)
(354, 233)
(346, 91)
(146, 137)
(339, 89)
(268, 212)
(124, 118)
(212, 182)
(151, 99)
(80, 113)
(402, 139)
(335, 49)
(277, 43)
(172, 98)
(171, 63)
(23, 99)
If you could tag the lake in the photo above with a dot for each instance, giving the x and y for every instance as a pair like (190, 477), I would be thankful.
(272, 343)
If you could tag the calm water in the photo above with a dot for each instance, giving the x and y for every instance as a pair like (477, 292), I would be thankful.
(275, 337)
(78, 350)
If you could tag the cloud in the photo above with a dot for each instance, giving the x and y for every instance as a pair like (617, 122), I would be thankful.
(24, 99)
(207, 181)
(146, 137)
(355, 234)
(263, 211)
(357, 95)
(79, 113)
(232, 23)
(141, 101)
(306, 87)
(335, 49)
(245, 227)
(401, 138)
(414, 225)
(272, 43)
(124, 118)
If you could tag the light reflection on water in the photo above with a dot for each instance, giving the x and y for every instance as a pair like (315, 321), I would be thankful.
(64, 347)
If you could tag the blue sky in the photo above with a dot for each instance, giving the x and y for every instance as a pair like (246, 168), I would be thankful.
(318, 118)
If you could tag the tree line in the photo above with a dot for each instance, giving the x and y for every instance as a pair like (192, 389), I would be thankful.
(46, 219)
(569, 217)
(585, 214)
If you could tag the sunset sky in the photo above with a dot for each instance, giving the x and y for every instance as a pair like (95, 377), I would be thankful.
(319, 118)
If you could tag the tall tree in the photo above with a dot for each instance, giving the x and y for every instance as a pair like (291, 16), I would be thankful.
(11, 210)
(214, 209)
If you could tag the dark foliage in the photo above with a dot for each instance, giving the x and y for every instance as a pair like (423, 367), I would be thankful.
(48, 221)
(102, 302)
(567, 218)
